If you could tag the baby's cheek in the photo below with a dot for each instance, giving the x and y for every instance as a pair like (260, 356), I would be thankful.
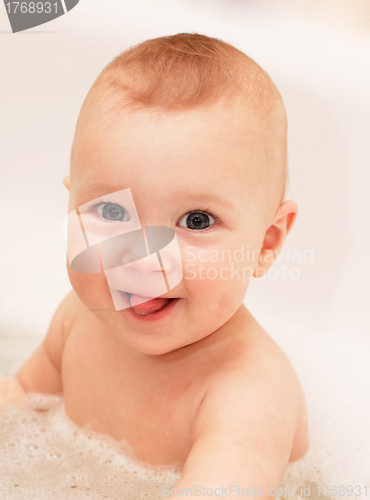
(219, 278)
(92, 289)
(220, 267)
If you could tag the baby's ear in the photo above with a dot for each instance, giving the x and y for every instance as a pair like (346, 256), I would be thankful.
(66, 182)
(275, 236)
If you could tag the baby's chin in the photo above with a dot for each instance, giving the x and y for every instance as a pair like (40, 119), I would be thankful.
(164, 330)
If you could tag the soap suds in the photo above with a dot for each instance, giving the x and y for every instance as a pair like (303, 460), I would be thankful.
(45, 455)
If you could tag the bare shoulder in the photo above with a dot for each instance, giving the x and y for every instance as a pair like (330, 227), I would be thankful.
(41, 372)
(68, 311)
(256, 373)
(288, 387)
(250, 421)
(60, 326)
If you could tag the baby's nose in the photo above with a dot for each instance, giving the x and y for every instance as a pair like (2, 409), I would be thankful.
(146, 265)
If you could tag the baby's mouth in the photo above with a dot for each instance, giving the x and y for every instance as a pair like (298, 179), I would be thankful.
(145, 305)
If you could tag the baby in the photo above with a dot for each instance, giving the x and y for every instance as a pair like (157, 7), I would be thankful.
(188, 133)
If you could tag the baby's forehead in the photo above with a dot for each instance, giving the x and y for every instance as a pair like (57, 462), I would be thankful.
(223, 121)
(195, 145)
(222, 130)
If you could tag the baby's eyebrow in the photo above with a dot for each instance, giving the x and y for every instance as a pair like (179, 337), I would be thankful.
(95, 190)
(203, 198)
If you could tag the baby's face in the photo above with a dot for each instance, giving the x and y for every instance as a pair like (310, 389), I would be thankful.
(196, 172)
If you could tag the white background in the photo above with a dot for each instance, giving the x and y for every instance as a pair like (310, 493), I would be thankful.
(318, 55)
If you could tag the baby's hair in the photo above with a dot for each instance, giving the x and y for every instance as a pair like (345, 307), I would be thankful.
(184, 71)
(180, 72)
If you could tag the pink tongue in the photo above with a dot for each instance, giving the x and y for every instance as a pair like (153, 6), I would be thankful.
(147, 307)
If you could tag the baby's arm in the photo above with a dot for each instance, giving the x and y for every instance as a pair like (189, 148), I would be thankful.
(11, 390)
(41, 372)
(243, 433)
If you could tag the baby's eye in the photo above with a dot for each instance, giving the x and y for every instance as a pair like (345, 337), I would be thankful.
(196, 220)
(112, 212)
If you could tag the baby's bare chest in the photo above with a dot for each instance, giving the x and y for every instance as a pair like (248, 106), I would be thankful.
(152, 409)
